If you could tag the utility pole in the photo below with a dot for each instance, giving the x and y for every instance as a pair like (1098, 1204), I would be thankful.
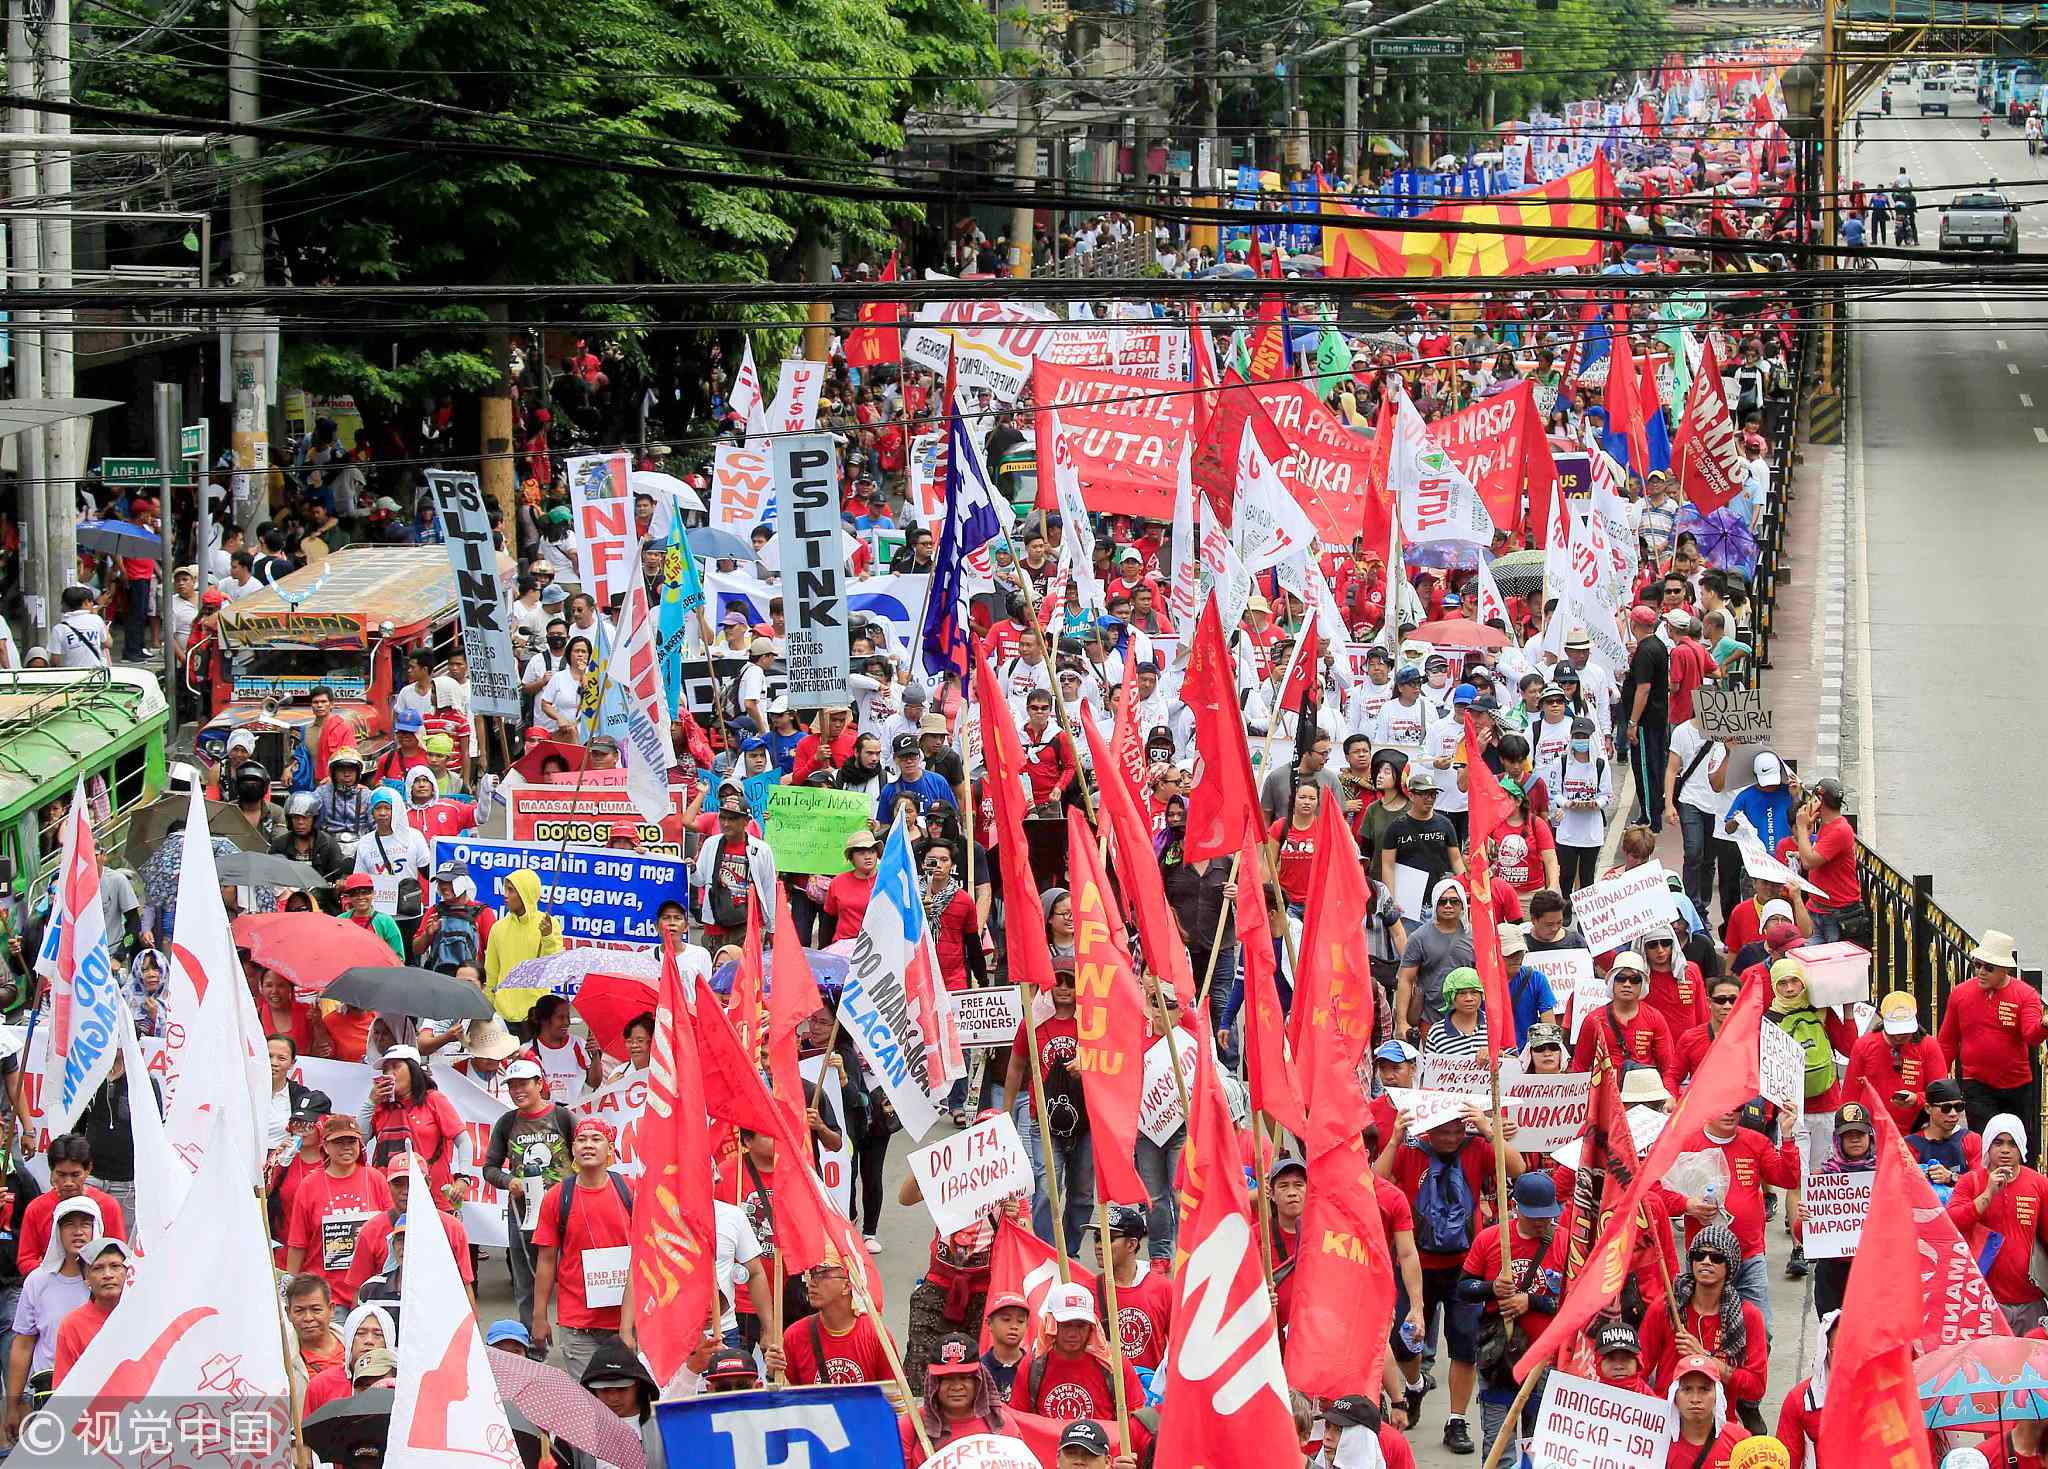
(1141, 126)
(818, 271)
(1212, 92)
(24, 239)
(250, 372)
(64, 461)
(1025, 166)
(1354, 147)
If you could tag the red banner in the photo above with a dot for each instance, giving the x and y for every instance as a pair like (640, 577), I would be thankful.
(1500, 445)
(1126, 433)
(1707, 452)
(1570, 202)
(1325, 465)
(1109, 1018)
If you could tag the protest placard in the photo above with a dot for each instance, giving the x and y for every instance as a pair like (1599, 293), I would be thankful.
(1836, 974)
(742, 488)
(1573, 980)
(1758, 862)
(820, 1427)
(985, 1451)
(1584, 1424)
(1549, 1111)
(473, 555)
(1781, 1068)
(1160, 1113)
(1426, 1109)
(813, 568)
(1644, 1123)
(603, 897)
(1611, 912)
(1733, 716)
(601, 516)
(1836, 1204)
(835, 1169)
(806, 828)
(554, 814)
(964, 1176)
(1471, 1075)
(988, 1017)
(1411, 889)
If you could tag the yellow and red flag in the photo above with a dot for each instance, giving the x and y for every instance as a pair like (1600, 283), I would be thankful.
(871, 346)
(1570, 202)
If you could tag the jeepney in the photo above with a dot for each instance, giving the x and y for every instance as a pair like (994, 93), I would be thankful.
(347, 624)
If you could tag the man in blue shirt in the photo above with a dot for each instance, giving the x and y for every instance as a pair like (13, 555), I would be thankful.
(1528, 988)
(1767, 803)
(914, 781)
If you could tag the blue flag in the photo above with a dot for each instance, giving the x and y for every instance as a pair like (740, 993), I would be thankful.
(970, 523)
(682, 593)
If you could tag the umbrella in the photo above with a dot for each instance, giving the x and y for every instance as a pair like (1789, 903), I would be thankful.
(720, 545)
(1725, 538)
(1230, 270)
(564, 973)
(1387, 147)
(1459, 632)
(335, 1430)
(268, 867)
(160, 874)
(1519, 573)
(539, 752)
(554, 1401)
(119, 538)
(828, 970)
(309, 949)
(1984, 1382)
(608, 1003)
(402, 989)
(149, 825)
(653, 482)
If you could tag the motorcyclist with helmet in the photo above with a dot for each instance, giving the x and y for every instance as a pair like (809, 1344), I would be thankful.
(251, 782)
(303, 841)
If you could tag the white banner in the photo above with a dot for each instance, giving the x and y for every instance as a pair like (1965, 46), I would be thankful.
(1549, 1110)
(964, 1176)
(601, 518)
(618, 1105)
(1836, 1205)
(1589, 599)
(1594, 1425)
(1572, 979)
(1613, 911)
(993, 343)
(1644, 1123)
(795, 409)
(813, 570)
(1437, 501)
(742, 488)
(1781, 1069)
(1160, 1113)
(985, 1451)
(1425, 1109)
(486, 639)
(988, 1017)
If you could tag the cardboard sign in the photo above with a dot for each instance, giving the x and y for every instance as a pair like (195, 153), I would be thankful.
(1549, 1110)
(1781, 1068)
(1644, 1124)
(988, 1017)
(1836, 974)
(1426, 1109)
(1758, 862)
(1836, 1206)
(806, 828)
(1585, 1424)
(1734, 716)
(742, 488)
(1472, 1075)
(1160, 1113)
(1612, 912)
(985, 1451)
(601, 518)
(486, 638)
(813, 569)
(821, 1427)
(968, 1174)
(1573, 981)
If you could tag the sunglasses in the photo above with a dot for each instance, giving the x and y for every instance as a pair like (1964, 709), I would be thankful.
(1945, 1107)
(1628, 976)
(1708, 1257)
(1721, 999)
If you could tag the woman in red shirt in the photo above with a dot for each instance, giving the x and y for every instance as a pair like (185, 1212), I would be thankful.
(408, 1113)
(283, 1012)
(950, 910)
(1525, 852)
(1296, 839)
(846, 897)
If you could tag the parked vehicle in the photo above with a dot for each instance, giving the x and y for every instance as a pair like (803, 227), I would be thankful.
(1980, 220)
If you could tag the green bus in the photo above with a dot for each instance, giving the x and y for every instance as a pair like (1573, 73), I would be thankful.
(57, 725)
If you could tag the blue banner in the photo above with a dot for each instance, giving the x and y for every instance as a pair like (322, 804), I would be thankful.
(820, 1427)
(598, 896)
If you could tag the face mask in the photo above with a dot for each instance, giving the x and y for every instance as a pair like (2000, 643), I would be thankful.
(1582, 748)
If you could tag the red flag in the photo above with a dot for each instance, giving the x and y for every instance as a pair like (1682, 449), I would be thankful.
(1493, 974)
(1111, 1035)
(1726, 1078)
(1225, 1392)
(1333, 990)
(1201, 370)
(1707, 451)
(1960, 1306)
(1873, 1413)
(809, 1228)
(1343, 1278)
(1003, 748)
(792, 999)
(1126, 742)
(1225, 802)
(747, 983)
(675, 1227)
(1275, 1089)
(1490, 807)
(1137, 870)
(1624, 407)
(1268, 350)
(1303, 672)
(1022, 1264)
(871, 346)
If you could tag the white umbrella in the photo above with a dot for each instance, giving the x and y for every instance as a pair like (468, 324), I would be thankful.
(654, 482)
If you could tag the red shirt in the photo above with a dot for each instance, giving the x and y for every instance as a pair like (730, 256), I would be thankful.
(1683, 1455)
(1057, 1046)
(1745, 1382)
(1692, 1049)
(373, 1248)
(597, 1221)
(1680, 996)
(1745, 924)
(75, 1334)
(2019, 1214)
(1889, 1069)
(1648, 1036)
(35, 1225)
(428, 1127)
(1482, 1262)
(1073, 1387)
(1297, 858)
(855, 1355)
(1752, 1163)
(1992, 1033)
(1475, 1161)
(1799, 1431)
(1835, 845)
(846, 898)
(1521, 850)
(1689, 667)
(1048, 764)
(1144, 1314)
(327, 1215)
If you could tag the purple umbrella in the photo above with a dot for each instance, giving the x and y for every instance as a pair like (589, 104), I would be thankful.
(1725, 538)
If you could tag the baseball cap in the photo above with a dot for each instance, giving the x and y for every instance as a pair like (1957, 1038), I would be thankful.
(1545, 1033)
(906, 744)
(1551, 691)
(734, 618)
(1536, 1196)
(1854, 1117)
(954, 1356)
(1704, 1365)
(376, 1362)
(760, 648)
(1582, 728)
(1005, 1301)
(1642, 616)
(311, 1106)
(1354, 1410)
(451, 869)
(730, 1362)
(524, 1070)
(410, 719)
(1464, 693)
(1396, 1051)
(1127, 1221)
(1070, 1303)
(1768, 771)
(1408, 675)
(400, 1053)
(399, 1167)
(1617, 1336)
(1285, 1163)
(1898, 1014)
(1085, 1433)
(78, 1205)
(507, 1330)
(1421, 782)
(1512, 940)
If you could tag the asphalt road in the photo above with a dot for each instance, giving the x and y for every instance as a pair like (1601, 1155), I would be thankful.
(1954, 429)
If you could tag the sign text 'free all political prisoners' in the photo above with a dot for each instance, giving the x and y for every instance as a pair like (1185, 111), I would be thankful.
(963, 1176)
(850, 1427)
(1733, 716)
(1835, 1205)
(598, 897)
(465, 522)
(988, 1016)
(1619, 908)
(1594, 1425)
(813, 569)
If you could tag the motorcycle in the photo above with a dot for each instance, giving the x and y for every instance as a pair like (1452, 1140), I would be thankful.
(1984, 125)
(1885, 101)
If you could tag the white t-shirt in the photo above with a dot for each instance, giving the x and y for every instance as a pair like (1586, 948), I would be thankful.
(1579, 780)
(1548, 741)
(446, 694)
(563, 694)
(401, 854)
(567, 1066)
(79, 640)
(737, 1246)
(754, 688)
(1406, 725)
(1441, 743)
(1698, 791)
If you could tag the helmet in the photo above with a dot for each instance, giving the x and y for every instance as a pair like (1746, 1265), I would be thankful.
(302, 803)
(251, 772)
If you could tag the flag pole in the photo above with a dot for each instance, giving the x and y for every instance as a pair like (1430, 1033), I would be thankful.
(1115, 1333)
(297, 1398)
(1052, 1183)
(1216, 943)
(912, 1408)
(1264, 1167)
(1500, 1181)
(1059, 699)
(1514, 1418)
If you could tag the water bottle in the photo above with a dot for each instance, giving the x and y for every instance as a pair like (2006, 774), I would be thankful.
(1411, 1338)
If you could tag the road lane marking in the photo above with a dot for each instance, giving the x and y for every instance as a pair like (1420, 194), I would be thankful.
(2041, 434)
(2000, 342)
(2013, 368)
(2026, 400)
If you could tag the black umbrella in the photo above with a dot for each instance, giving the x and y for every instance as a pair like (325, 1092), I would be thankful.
(268, 869)
(400, 989)
(337, 1429)
(149, 825)
(1519, 573)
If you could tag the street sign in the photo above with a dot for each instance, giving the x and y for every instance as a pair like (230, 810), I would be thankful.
(1495, 59)
(1419, 46)
(189, 441)
(134, 472)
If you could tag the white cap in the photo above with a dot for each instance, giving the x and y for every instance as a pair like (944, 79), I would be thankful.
(100, 1244)
(1769, 771)
(1629, 959)
(1776, 908)
(1070, 1303)
(242, 739)
(400, 1053)
(523, 1070)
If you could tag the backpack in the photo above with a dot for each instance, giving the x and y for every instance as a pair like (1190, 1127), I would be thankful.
(1806, 1027)
(565, 1197)
(1444, 1208)
(455, 940)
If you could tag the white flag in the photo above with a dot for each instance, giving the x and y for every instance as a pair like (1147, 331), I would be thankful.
(1266, 523)
(795, 410)
(1491, 603)
(199, 1324)
(160, 1182)
(447, 1412)
(1438, 503)
(1223, 572)
(636, 670)
(1077, 545)
(1608, 479)
(85, 990)
(1181, 599)
(746, 399)
(1590, 598)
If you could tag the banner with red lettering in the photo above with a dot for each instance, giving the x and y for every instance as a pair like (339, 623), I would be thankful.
(1500, 446)
(1126, 434)
(1325, 465)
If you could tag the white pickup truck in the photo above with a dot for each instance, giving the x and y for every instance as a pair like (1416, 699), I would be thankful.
(1980, 220)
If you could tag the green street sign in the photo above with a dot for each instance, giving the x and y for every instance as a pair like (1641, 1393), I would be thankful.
(188, 441)
(1419, 46)
(135, 472)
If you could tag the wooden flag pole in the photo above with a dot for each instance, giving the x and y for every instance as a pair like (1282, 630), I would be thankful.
(1514, 1418)
(1216, 944)
(1264, 1165)
(912, 1408)
(1052, 1182)
(1115, 1333)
